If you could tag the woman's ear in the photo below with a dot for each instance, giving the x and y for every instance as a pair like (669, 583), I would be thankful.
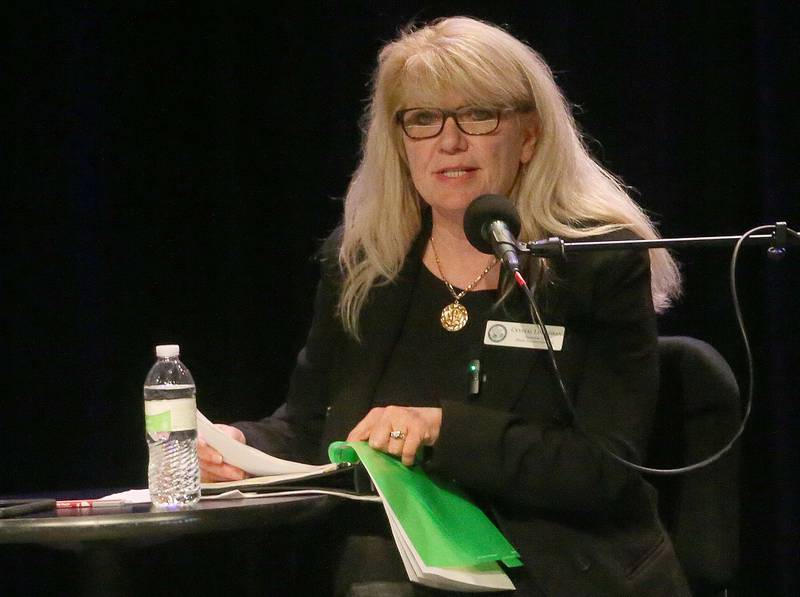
(529, 125)
(400, 145)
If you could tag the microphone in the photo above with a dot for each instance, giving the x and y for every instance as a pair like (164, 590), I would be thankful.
(492, 224)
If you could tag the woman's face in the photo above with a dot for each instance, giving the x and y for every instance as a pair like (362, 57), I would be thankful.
(453, 168)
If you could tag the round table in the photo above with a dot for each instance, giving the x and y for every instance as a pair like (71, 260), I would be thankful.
(142, 523)
(124, 550)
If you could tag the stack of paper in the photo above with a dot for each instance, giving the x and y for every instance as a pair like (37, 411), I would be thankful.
(445, 541)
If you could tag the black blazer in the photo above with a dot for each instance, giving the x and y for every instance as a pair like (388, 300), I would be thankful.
(583, 523)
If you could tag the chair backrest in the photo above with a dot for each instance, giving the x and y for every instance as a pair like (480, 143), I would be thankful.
(698, 412)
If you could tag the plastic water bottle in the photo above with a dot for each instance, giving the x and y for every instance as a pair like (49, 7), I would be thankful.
(173, 474)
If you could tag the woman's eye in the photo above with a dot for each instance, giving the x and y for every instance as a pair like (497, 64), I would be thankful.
(477, 114)
(422, 118)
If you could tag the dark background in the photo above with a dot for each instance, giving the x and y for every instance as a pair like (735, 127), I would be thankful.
(171, 171)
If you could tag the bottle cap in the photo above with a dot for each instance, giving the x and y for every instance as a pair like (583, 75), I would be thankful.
(166, 351)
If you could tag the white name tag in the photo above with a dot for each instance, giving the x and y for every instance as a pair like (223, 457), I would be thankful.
(522, 335)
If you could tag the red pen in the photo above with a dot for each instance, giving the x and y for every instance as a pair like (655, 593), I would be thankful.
(89, 503)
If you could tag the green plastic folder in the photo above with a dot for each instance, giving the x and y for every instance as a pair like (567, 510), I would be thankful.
(446, 529)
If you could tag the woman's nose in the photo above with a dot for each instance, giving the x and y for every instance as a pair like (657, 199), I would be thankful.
(452, 138)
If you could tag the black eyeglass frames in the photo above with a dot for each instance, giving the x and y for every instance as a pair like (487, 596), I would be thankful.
(424, 123)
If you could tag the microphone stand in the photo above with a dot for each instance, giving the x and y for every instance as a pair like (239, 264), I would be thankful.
(782, 237)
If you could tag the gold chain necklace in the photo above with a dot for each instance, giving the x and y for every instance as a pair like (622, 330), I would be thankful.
(454, 316)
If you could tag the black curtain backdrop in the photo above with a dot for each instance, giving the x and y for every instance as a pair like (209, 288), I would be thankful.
(171, 171)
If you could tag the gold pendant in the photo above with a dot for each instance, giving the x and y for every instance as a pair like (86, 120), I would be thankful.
(454, 317)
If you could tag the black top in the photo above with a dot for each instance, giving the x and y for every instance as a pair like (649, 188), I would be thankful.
(429, 364)
(582, 523)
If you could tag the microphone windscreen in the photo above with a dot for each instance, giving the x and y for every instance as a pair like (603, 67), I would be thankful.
(485, 210)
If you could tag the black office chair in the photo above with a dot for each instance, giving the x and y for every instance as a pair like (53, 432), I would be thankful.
(698, 412)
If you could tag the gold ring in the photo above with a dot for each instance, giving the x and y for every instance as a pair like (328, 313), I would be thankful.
(397, 434)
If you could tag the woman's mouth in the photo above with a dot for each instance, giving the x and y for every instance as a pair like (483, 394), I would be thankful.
(456, 172)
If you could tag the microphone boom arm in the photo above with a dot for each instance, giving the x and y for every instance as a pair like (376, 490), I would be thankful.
(557, 247)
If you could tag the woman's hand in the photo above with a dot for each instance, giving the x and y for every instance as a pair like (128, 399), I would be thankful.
(417, 427)
(212, 466)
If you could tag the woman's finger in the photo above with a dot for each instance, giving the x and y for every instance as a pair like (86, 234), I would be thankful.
(411, 445)
(231, 431)
(220, 472)
(395, 444)
(208, 454)
(379, 437)
(363, 428)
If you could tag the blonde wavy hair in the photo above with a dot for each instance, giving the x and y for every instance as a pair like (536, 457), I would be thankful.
(561, 191)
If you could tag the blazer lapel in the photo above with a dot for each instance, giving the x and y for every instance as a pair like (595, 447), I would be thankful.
(506, 370)
(382, 320)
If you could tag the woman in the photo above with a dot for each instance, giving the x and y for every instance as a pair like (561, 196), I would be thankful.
(461, 108)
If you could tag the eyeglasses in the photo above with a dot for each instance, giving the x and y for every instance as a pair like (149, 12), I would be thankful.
(424, 123)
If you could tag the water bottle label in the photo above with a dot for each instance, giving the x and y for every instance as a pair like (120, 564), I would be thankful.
(166, 416)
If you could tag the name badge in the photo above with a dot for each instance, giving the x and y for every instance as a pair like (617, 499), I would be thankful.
(522, 335)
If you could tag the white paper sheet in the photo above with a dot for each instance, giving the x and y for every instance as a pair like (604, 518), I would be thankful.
(246, 457)
(132, 496)
(142, 496)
